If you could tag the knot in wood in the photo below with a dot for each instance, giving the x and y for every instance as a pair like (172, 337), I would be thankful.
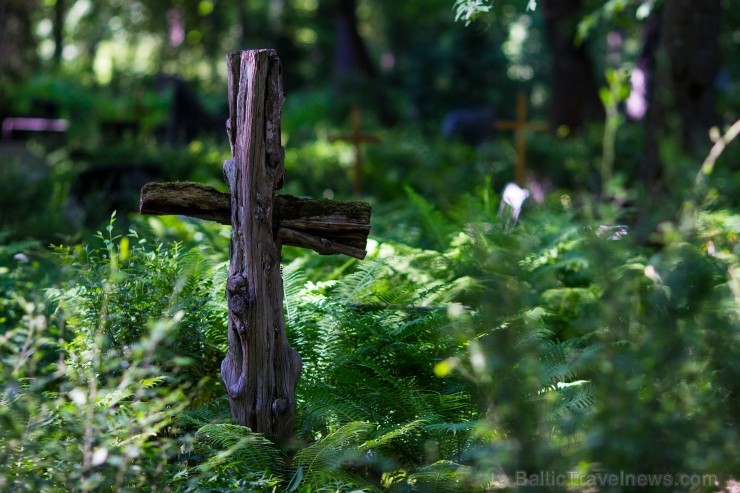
(280, 406)
(236, 283)
(236, 389)
(237, 294)
(238, 304)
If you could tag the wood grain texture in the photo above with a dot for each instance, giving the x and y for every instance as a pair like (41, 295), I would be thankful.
(260, 370)
(326, 226)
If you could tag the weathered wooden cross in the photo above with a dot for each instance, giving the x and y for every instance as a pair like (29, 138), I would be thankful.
(357, 138)
(520, 127)
(260, 370)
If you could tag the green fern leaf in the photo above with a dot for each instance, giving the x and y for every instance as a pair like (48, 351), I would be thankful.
(437, 228)
(235, 444)
(322, 461)
(391, 435)
(440, 477)
(355, 287)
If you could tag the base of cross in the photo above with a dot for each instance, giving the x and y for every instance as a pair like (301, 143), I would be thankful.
(325, 226)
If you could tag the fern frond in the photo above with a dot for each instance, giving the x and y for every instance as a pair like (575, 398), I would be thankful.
(558, 365)
(396, 297)
(441, 477)
(354, 287)
(437, 227)
(294, 281)
(451, 428)
(390, 392)
(216, 411)
(389, 436)
(575, 395)
(235, 444)
(322, 461)
(330, 404)
(441, 293)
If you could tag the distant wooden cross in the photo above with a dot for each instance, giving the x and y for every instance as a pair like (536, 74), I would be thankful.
(520, 127)
(260, 370)
(357, 138)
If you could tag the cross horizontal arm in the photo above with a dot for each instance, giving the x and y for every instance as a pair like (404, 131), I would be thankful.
(185, 199)
(325, 226)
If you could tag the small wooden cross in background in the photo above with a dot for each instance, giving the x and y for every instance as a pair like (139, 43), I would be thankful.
(357, 138)
(520, 127)
(260, 370)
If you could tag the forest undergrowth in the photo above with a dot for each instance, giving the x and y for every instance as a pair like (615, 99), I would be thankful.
(481, 361)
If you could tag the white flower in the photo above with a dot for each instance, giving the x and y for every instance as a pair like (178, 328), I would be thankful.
(514, 196)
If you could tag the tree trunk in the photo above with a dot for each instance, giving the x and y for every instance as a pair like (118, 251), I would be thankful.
(682, 83)
(3, 30)
(59, 11)
(351, 57)
(260, 370)
(574, 98)
(691, 42)
(18, 57)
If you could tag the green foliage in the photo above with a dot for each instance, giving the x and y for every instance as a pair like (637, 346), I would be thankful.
(603, 335)
(97, 373)
(117, 290)
(108, 427)
(33, 193)
(617, 11)
(457, 355)
(21, 269)
(318, 165)
(470, 10)
(430, 370)
(369, 342)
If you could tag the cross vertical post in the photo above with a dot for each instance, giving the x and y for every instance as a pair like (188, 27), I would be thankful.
(260, 370)
(520, 126)
(357, 138)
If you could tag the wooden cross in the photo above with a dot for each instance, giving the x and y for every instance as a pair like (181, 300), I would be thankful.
(520, 127)
(357, 138)
(260, 370)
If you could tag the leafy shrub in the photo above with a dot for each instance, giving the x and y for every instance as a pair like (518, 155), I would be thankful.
(590, 350)
(96, 375)
(117, 290)
(107, 425)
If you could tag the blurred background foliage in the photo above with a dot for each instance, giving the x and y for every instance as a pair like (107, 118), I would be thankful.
(142, 85)
(597, 335)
